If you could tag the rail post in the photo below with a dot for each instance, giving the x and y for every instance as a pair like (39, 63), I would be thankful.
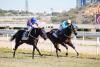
(97, 44)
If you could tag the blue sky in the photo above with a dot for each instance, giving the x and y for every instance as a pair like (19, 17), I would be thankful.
(38, 5)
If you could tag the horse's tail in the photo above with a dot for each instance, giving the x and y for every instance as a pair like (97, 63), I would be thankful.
(14, 36)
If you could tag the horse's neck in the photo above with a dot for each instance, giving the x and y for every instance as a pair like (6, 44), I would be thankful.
(34, 32)
(68, 31)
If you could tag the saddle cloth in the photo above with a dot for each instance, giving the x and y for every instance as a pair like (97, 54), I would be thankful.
(25, 35)
(57, 33)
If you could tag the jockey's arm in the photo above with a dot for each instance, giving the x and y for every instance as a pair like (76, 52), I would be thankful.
(29, 23)
(37, 24)
(64, 24)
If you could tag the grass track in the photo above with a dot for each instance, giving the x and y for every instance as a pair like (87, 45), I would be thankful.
(23, 59)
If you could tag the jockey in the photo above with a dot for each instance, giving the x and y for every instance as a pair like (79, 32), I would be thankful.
(67, 23)
(31, 23)
(63, 25)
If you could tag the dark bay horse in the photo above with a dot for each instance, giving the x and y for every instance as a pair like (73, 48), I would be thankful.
(63, 38)
(32, 40)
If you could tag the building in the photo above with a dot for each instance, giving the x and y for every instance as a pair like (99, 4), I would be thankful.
(97, 0)
(81, 3)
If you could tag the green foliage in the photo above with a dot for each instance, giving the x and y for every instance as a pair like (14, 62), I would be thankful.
(13, 12)
(73, 14)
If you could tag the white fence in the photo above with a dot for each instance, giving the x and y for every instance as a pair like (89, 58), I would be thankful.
(80, 34)
(45, 45)
(83, 26)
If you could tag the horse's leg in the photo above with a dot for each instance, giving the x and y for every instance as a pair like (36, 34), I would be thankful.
(16, 46)
(33, 52)
(57, 48)
(63, 44)
(57, 53)
(71, 45)
(35, 47)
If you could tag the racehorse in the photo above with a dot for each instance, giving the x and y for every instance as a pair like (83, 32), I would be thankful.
(32, 40)
(62, 38)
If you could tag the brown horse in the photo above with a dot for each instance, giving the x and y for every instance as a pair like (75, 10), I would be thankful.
(62, 38)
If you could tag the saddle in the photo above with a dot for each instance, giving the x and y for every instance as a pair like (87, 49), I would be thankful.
(57, 33)
(25, 35)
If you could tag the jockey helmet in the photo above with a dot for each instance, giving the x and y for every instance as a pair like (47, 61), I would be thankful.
(69, 21)
(33, 19)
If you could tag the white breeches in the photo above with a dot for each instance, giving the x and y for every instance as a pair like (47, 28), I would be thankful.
(29, 28)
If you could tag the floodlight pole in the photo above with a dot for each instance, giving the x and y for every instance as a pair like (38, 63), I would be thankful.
(51, 14)
(26, 6)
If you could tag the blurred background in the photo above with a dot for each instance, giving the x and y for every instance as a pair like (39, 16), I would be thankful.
(85, 13)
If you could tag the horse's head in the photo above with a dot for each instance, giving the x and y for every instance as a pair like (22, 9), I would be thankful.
(74, 28)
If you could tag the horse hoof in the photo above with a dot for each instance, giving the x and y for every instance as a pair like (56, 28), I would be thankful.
(13, 48)
(77, 54)
(57, 56)
(41, 54)
(59, 50)
(13, 56)
(66, 54)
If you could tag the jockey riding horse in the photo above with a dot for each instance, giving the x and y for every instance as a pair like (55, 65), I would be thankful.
(62, 37)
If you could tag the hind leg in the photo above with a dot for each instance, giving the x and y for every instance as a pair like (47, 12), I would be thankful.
(33, 52)
(57, 46)
(71, 45)
(16, 46)
(57, 53)
(63, 44)
(57, 49)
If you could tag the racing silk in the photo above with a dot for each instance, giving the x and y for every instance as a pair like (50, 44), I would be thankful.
(64, 25)
(29, 23)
